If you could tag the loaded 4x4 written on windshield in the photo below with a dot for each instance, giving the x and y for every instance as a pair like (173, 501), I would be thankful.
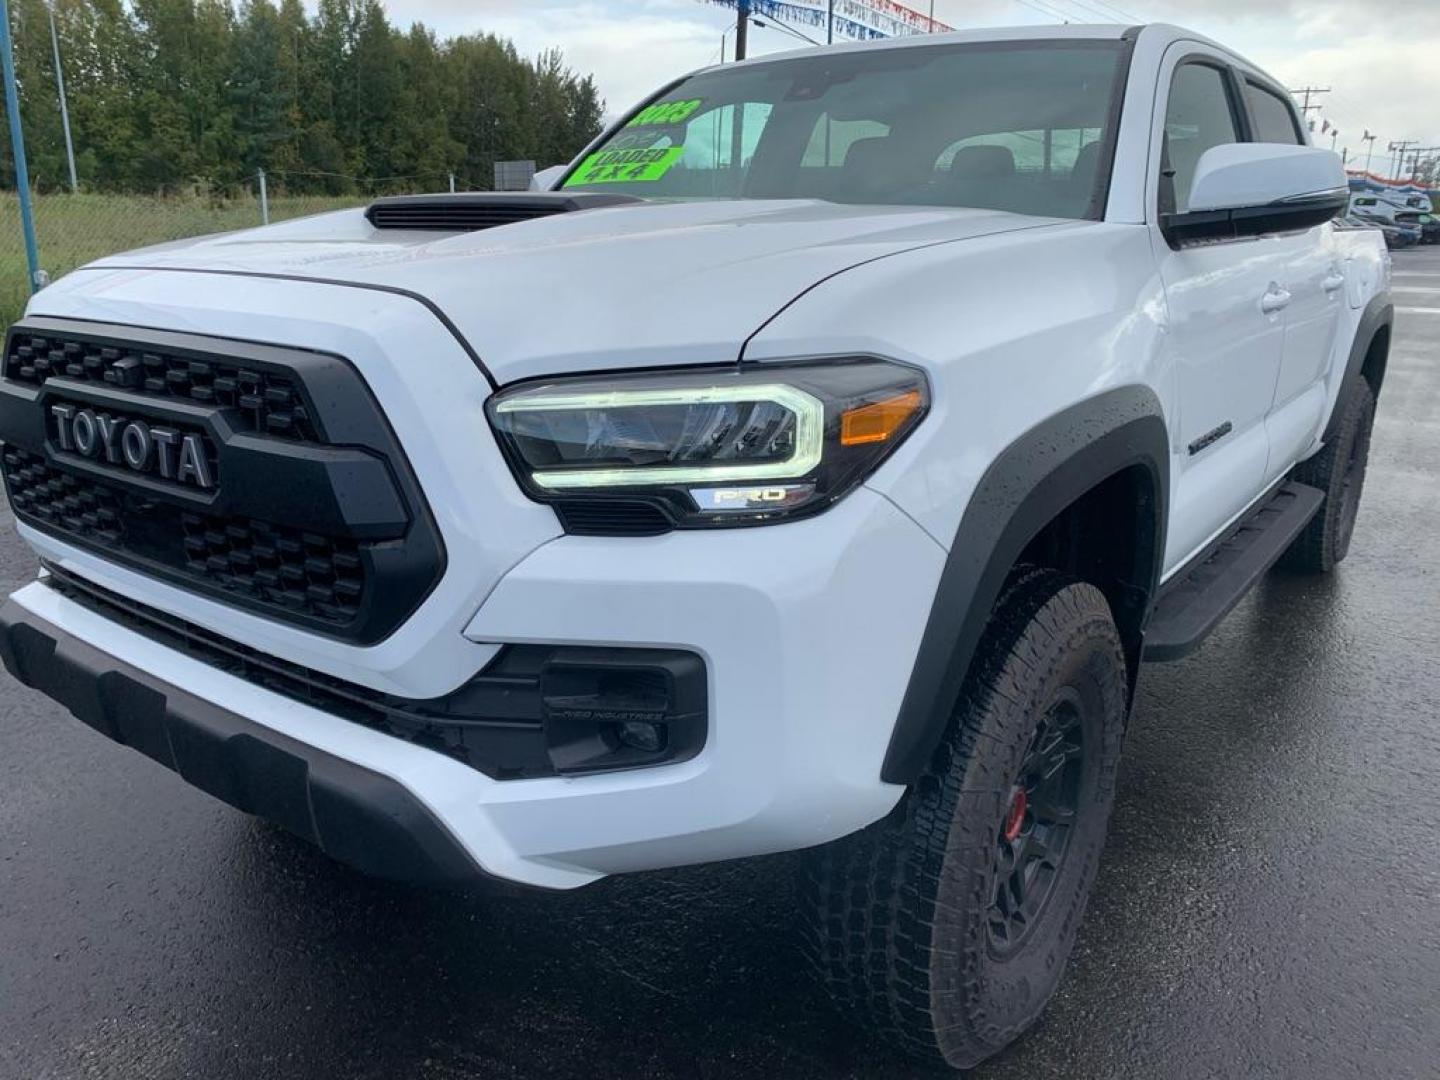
(994, 126)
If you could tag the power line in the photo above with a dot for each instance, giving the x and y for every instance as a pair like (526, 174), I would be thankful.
(1045, 9)
(776, 24)
(1121, 12)
(1106, 16)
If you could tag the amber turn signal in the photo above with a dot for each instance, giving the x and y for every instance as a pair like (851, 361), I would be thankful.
(878, 421)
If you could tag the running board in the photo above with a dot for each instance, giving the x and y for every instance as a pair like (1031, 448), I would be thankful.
(1193, 602)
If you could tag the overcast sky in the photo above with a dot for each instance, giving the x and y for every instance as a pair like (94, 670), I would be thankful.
(1381, 59)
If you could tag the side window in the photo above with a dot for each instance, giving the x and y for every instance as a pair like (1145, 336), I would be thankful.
(1198, 116)
(1273, 116)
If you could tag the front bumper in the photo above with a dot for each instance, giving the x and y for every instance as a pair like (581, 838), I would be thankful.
(351, 813)
(808, 631)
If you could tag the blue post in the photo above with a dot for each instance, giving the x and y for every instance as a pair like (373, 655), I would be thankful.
(17, 143)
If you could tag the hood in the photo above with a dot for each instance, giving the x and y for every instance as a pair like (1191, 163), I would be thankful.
(628, 286)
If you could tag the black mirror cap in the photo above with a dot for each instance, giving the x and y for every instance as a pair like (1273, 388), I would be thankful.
(1288, 215)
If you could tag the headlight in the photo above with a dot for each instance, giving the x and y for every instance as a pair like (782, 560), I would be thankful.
(720, 446)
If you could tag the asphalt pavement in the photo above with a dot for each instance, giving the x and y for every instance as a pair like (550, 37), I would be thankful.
(1269, 904)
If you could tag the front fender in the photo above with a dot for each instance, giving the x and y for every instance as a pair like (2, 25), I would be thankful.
(1046, 351)
(1028, 485)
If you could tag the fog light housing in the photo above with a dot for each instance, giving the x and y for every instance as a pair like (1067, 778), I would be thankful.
(622, 708)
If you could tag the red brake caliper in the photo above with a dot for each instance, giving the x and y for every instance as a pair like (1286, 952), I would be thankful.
(1015, 816)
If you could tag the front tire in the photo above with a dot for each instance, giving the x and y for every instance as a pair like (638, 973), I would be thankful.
(946, 926)
(1339, 471)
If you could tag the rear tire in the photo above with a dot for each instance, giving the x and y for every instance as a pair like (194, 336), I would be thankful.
(946, 926)
(1339, 471)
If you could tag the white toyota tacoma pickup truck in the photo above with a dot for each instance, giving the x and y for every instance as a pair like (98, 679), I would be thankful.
(812, 466)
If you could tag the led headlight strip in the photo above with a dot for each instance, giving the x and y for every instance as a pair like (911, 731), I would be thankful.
(808, 410)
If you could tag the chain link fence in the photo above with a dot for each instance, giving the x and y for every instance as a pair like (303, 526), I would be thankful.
(73, 229)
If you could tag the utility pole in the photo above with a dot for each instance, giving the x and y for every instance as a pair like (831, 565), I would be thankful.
(1307, 91)
(742, 26)
(932, 17)
(1416, 153)
(1397, 159)
(17, 145)
(830, 26)
(1370, 148)
(64, 109)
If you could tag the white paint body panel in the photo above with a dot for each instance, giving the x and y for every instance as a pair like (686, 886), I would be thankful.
(809, 629)
(1256, 174)
(807, 649)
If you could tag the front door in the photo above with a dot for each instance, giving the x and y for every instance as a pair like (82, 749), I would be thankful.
(1226, 325)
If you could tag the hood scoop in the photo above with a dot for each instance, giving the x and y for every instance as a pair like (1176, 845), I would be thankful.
(472, 211)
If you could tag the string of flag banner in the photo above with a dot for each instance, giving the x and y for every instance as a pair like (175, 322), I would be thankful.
(861, 20)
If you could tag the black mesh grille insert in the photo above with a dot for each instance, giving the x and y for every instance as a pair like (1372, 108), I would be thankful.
(267, 402)
(294, 571)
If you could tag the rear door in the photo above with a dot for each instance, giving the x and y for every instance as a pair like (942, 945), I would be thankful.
(1313, 274)
(1225, 302)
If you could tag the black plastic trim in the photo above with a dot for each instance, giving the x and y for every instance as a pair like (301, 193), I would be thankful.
(1026, 486)
(354, 815)
(1240, 223)
(355, 484)
(1196, 599)
(1105, 167)
(467, 211)
(1379, 314)
(508, 721)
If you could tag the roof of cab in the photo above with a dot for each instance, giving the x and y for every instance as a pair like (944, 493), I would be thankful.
(1056, 32)
(1166, 32)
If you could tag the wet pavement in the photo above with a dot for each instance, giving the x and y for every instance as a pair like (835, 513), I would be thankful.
(1269, 904)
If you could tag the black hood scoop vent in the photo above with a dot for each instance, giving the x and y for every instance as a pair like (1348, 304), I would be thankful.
(471, 211)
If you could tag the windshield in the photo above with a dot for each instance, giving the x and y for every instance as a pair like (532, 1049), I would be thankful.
(1006, 126)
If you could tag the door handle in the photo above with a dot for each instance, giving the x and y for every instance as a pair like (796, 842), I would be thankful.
(1333, 282)
(1274, 300)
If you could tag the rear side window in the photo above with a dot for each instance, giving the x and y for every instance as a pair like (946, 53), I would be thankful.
(1198, 116)
(1273, 116)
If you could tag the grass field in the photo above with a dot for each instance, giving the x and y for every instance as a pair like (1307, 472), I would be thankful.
(71, 230)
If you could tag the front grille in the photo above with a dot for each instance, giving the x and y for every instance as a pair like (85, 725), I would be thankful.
(321, 576)
(309, 514)
(498, 722)
(265, 401)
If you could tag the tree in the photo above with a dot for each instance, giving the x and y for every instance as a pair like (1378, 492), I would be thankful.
(166, 95)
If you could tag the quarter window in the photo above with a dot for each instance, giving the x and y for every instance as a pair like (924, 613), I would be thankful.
(1273, 116)
(1199, 116)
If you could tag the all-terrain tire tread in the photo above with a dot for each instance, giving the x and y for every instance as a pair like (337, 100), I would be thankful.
(871, 899)
(1317, 549)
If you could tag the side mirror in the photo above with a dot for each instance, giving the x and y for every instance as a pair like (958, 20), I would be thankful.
(1246, 189)
(545, 179)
